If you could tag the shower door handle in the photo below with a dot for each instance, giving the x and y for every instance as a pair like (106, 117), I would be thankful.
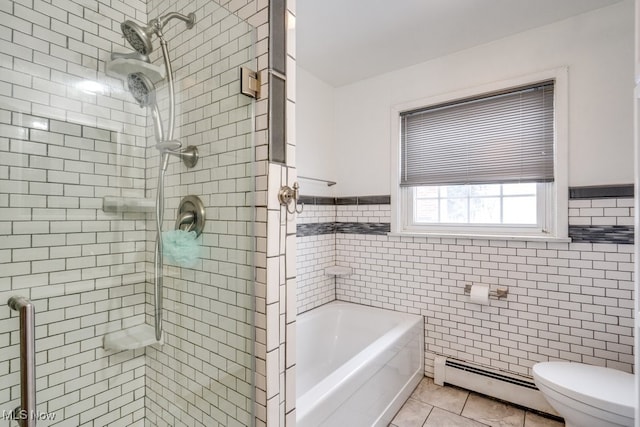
(26, 413)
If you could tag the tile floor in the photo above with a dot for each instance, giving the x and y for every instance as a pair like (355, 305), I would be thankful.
(431, 405)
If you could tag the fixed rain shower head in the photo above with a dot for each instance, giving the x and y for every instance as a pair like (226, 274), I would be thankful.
(140, 37)
(142, 89)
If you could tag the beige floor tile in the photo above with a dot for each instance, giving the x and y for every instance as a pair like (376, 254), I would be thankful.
(492, 412)
(441, 418)
(412, 414)
(532, 419)
(450, 398)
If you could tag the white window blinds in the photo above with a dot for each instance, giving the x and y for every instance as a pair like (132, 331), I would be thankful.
(498, 138)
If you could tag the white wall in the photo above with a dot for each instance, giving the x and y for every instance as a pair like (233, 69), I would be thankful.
(597, 47)
(315, 124)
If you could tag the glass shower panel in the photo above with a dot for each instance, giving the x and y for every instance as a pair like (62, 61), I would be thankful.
(208, 355)
(78, 182)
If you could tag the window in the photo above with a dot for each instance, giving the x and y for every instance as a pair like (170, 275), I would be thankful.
(484, 163)
(513, 204)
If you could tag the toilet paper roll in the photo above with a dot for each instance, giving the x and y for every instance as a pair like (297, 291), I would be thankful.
(479, 294)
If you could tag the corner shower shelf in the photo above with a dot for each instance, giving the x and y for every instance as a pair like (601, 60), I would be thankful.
(131, 338)
(337, 270)
(122, 67)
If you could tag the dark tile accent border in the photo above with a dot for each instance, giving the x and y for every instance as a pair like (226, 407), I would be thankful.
(602, 191)
(613, 234)
(362, 200)
(317, 200)
(346, 200)
(277, 117)
(617, 234)
(381, 228)
(317, 229)
(278, 35)
(374, 200)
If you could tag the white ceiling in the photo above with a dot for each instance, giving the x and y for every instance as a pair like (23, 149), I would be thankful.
(342, 41)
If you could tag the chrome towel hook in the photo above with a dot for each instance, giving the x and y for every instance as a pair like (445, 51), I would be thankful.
(286, 195)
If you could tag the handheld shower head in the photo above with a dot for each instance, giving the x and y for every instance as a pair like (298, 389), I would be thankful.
(142, 89)
(144, 92)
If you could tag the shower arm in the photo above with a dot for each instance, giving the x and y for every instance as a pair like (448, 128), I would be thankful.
(159, 23)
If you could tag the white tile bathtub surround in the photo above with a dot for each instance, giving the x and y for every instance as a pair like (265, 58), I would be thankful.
(363, 213)
(609, 211)
(70, 135)
(314, 254)
(317, 214)
(570, 301)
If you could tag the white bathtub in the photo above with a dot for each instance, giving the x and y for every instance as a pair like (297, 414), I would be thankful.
(356, 365)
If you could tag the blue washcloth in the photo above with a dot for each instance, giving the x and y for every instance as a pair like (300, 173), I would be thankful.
(181, 248)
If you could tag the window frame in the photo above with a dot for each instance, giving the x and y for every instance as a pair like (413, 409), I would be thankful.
(556, 193)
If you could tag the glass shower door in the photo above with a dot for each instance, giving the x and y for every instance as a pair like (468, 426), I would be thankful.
(79, 174)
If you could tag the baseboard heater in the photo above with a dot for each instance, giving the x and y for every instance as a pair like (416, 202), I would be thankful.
(508, 387)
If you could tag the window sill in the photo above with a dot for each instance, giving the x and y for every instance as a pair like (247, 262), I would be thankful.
(521, 238)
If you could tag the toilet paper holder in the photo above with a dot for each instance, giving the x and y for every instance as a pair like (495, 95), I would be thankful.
(498, 293)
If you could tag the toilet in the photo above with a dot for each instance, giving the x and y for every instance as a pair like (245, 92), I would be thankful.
(586, 395)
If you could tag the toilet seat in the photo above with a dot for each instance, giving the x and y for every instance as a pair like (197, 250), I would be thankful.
(603, 388)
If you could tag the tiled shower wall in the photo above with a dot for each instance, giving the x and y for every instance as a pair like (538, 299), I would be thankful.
(203, 374)
(70, 135)
(204, 377)
(570, 301)
(51, 60)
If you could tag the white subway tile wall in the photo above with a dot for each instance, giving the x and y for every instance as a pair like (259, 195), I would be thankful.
(69, 135)
(609, 211)
(314, 254)
(363, 213)
(570, 301)
(203, 374)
